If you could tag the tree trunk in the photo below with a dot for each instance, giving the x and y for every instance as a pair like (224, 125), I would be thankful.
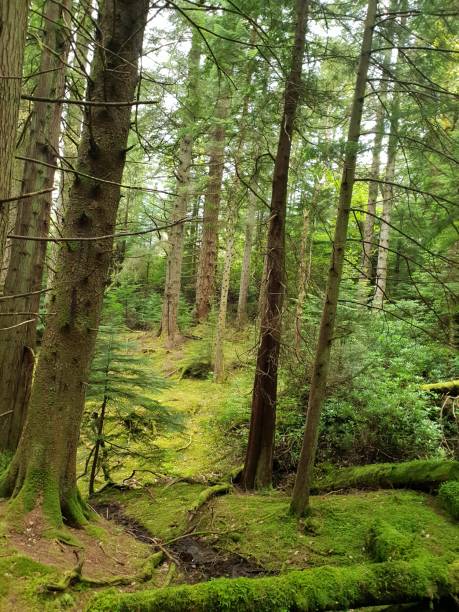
(258, 462)
(13, 28)
(300, 499)
(368, 226)
(219, 364)
(27, 258)
(169, 321)
(250, 222)
(304, 271)
(42, 473)
(207, 265)
(387, 192)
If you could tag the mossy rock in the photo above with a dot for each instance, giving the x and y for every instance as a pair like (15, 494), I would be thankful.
(325, 588)
(448, 495)
(419, 474)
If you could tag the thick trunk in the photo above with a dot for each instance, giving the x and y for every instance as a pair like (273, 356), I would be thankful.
(258, 462)
(169, 322)
(27, 258)
(13, 27)
(300, 499)
(43, 469)
(207, 265)
(219, 365)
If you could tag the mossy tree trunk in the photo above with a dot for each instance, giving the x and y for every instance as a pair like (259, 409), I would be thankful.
(43, 470)
(27, 258)
(172, 287)
(300, 498)
(258, 462)
(13, 28)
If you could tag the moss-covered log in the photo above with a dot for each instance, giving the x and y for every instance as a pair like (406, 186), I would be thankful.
(324, 588)
(449, 497)
(448, 386)
(421, 475)
(386, 543)
(207, 494)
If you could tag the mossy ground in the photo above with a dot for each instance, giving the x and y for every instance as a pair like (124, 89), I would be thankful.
(255, 526)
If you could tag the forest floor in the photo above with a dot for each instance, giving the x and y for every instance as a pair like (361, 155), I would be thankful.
(201, 535)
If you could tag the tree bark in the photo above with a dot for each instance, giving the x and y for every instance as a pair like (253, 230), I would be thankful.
(368, 226)
(300, 498)
(169, 321)
(42, 473)
(207, 265)
(258, 462)
(27, 259)
(219, 362)
(387, 192)
(13, 28)
(304, 271)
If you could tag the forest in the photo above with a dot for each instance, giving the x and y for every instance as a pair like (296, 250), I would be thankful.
(229, 305)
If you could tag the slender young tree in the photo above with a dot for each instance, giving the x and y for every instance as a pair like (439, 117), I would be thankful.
(300, 498)
(250, 223)
(42, 473)
(219, 363)
(304, 269)
(13, 23)
(27, 258)
(258, 461)
(169, 321)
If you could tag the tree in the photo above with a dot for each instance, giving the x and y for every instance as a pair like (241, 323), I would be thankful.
(207, 264)
(27, 258)
(300, 497)
(258, 462)
(13, 20)
(172, 286)
(42, 473)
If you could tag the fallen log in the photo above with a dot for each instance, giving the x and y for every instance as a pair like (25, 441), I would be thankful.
(419, 474)
(447, 386)
(448, 495)
(318, 589)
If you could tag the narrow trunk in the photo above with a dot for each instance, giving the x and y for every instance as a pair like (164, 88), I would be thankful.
(99, 444)
(27, 258)
(207, 265)
(219, 365)
(387, 193)
(247, 255)
(300, 499)
(258, 462)
(13, 28)
(42, 472)
(368, 226)
(304, 269)
(169, 321)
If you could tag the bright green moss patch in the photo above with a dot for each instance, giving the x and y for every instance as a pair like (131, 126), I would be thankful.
(318, 589)
(259, 527)
(448, 495)
(386, 543)
(411, 474)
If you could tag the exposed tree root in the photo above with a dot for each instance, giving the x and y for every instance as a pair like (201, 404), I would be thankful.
(74, 576)
(423, 475)
(324, 588)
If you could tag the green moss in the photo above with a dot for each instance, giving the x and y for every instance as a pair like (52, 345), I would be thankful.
(448, 495)
(411, 474)
(336, 533)
(386, 543)
(323, 588)
(448, 386)
(163, 510)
